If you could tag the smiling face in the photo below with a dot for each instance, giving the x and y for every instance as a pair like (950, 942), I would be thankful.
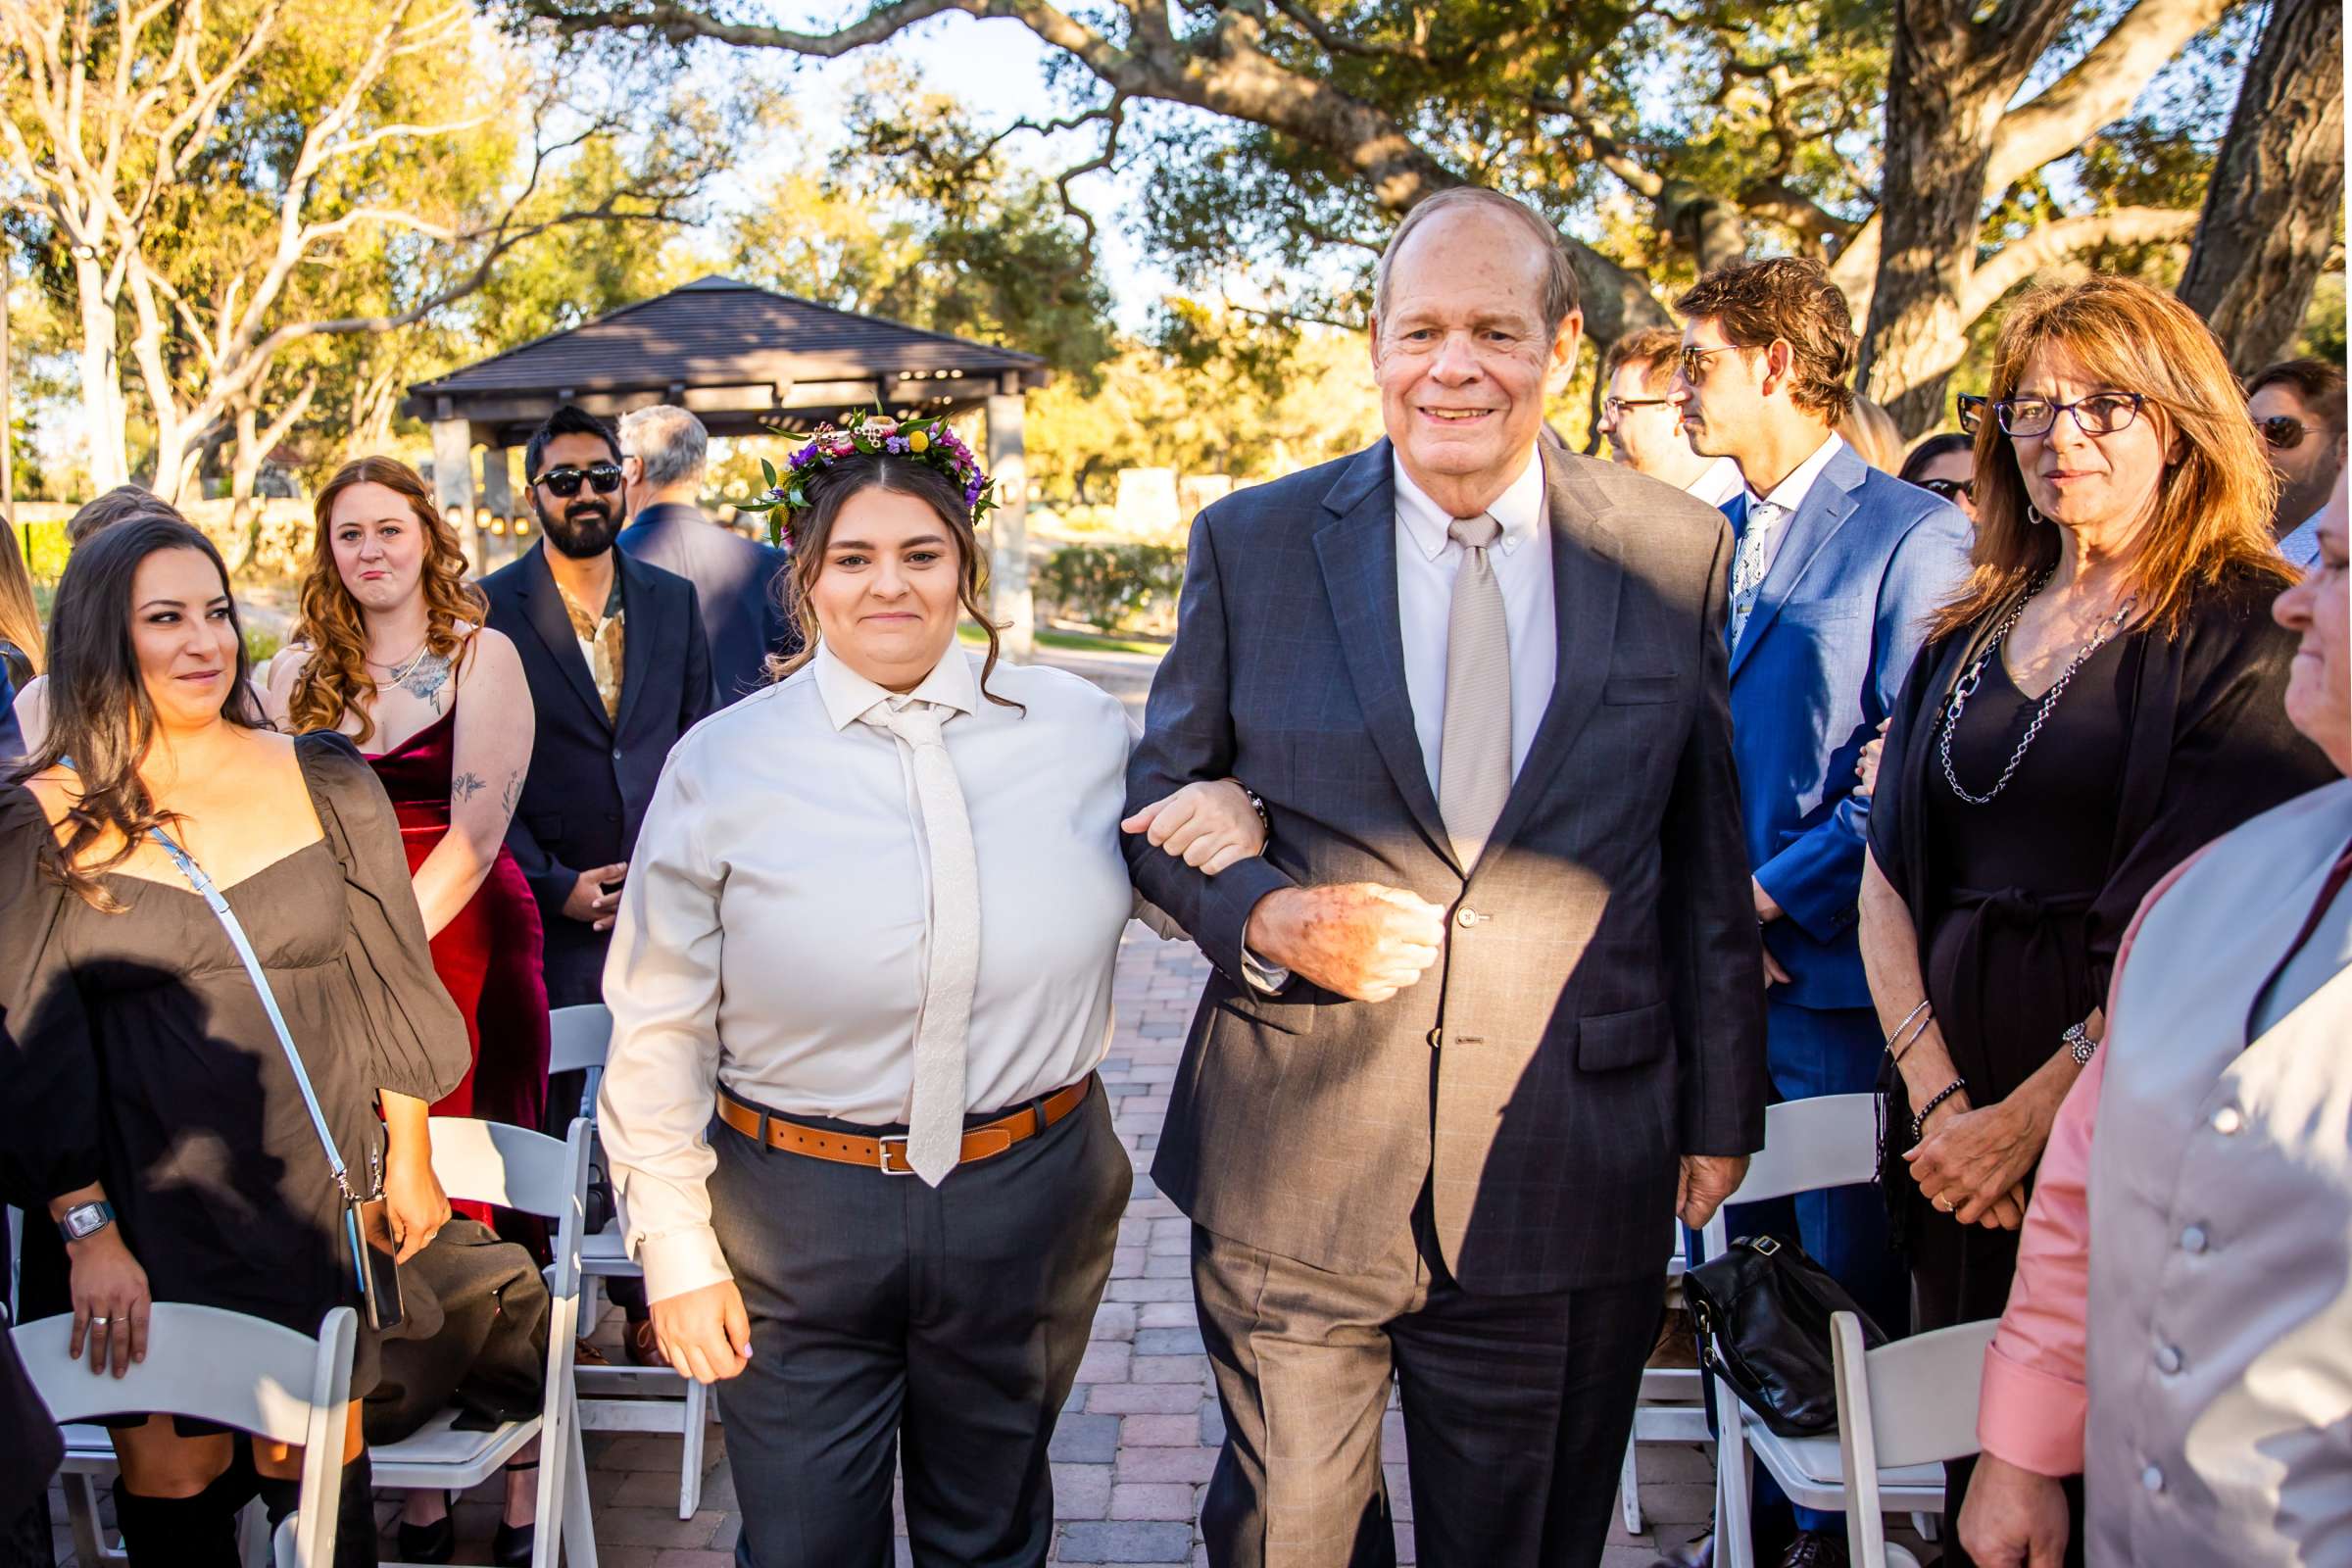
(2319, 689)
(885, 595)
(1464, 358)
(185, 635)
(378, 544)
(2102, 482)
(583, 525)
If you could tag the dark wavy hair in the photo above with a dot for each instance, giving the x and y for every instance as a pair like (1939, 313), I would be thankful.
(335, 679)
(99, 713)
(830, 486)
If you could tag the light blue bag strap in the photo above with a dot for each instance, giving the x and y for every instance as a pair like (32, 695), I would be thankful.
(261, 982)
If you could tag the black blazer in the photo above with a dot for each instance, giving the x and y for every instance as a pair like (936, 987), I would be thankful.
(1597, 1011)
(592, 776)
(741, 583)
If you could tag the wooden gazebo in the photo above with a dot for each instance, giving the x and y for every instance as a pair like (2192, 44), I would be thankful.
(746, 361)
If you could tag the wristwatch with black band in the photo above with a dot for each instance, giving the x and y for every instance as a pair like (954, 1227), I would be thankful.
(85, 1220)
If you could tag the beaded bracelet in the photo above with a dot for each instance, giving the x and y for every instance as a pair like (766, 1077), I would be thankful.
(1918, 1122)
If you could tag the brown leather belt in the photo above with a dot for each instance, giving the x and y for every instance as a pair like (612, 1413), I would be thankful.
(888, 1153)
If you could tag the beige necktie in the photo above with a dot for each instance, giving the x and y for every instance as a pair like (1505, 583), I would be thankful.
(1474, 755)
(934, 1123)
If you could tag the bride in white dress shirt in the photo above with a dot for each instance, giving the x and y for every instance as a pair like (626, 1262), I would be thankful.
(875, 966)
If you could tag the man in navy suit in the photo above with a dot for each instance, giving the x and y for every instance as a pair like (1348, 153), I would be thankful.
(614, 653)
(741, 582)
(1836, 571)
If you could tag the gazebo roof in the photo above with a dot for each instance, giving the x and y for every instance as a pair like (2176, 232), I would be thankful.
(743, 358)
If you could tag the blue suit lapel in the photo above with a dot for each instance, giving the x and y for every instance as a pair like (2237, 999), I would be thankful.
(1357, 553)
(1827, 507)
(636, 636)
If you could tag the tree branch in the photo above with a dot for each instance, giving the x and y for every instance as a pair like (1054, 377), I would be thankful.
(2098, 89)
(2021, 258)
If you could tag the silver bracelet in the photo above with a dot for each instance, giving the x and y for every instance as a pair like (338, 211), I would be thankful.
(1905, 1024)
(2078, 1045)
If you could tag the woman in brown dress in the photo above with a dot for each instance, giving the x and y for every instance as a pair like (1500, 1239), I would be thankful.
(149, 1099)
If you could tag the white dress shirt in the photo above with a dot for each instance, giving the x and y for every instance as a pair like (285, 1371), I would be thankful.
(1718, 484)
(771, 935)
(1426, 563)
(1790, 494)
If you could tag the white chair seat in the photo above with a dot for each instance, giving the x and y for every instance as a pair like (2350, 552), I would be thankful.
(88, 1450)
(603, 1256)
(440, 1453)
(1810, 1472)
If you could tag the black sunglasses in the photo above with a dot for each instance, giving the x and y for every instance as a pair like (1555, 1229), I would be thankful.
(1952, 489)
(564, 482)
(2283, 431)
(1971, 412)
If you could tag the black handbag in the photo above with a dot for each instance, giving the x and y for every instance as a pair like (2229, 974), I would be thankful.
(368, 1245)
(1763, 1312)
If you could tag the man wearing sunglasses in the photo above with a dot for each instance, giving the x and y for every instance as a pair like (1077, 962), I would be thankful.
(1644, 422)
(619, 668)
(2298, 408)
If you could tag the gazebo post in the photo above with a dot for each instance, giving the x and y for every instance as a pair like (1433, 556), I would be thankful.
(498, 494)
(1008, 601)
(453, 480)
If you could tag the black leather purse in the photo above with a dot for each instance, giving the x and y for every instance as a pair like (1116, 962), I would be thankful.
(1763, 1310)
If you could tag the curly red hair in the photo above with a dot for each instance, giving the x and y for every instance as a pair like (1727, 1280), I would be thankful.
(335, 679)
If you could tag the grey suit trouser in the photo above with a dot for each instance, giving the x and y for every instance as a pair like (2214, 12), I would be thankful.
(950, 1318)
(1516, 1410)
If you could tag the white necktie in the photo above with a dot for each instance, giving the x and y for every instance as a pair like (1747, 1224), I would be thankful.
(1474, 751)
(935, 1121)
(1764, 519)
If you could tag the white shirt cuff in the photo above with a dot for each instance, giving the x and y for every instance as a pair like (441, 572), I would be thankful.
(1264, 978)
(681, 1261)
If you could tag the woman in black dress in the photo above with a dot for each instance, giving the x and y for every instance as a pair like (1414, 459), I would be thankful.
(145, 1074)
(2101, 699)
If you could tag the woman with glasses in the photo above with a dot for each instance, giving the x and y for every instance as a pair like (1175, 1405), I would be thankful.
(1945, 465)
(2101, 698)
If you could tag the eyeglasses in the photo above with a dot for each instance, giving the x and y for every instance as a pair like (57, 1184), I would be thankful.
(1952, 489)
(2283, 431)
(564, 482)
(1971, 407)
(1614, 408)
(2100, 414)
(1694, 359)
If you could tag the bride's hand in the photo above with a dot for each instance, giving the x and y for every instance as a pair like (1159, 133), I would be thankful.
(1208, 826)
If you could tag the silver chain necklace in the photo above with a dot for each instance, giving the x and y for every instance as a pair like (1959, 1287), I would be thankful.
(1966, 687)
(404, 671)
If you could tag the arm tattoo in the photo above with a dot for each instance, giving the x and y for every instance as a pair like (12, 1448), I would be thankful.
(465, 786)
(427, 681)
(513, 793)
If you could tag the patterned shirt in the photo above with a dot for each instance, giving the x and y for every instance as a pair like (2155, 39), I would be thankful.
(601, 641)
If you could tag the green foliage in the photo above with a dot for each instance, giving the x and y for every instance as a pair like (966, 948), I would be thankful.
(2324, 324)
(1110, 586)
(261, 643)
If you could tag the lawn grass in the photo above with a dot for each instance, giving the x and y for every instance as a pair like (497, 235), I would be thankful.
(1072, 641)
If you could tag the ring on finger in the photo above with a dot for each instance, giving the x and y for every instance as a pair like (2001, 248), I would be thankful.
(97, 1322)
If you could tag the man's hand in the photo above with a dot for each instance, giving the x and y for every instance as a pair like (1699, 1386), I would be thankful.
(588, 903)
(1768, 909)
(1359, 939)
(704, 1332)
(2013, 1518)
(1706, 1180)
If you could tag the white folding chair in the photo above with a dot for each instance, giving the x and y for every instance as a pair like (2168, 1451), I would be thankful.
(1808, 1144)
(1671, 1407)
(1911, 1402)
(624, 1396)
(513, 1167)
(240, 1371)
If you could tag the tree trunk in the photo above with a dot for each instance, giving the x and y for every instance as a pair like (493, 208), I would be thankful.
(2276, 191)
(1942, 107)
(102, 408)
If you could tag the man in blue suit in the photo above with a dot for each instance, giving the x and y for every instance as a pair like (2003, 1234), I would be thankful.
(741, 583)
(1836, 569)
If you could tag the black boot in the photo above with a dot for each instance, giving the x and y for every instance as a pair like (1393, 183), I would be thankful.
(199, 1532)
(354, 1526)
(431, 1543)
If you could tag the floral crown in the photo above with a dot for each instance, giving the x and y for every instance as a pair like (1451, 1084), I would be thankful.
(928, 441)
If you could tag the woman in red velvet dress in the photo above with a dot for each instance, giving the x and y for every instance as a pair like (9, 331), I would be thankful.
(391, 651)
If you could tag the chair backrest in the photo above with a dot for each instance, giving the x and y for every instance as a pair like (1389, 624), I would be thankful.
(240, 1371)
(1910, 1401)
(1831, 1140)
(578, 1037)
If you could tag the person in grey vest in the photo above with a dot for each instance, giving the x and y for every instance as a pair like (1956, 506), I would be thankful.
(741, 582)
(2198, 1186)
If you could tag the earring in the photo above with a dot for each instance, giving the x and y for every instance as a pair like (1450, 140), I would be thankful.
(2035, 516)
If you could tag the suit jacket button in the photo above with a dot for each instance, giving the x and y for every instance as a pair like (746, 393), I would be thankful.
(1465, 917)
(1436, 1037)
(617, 754)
